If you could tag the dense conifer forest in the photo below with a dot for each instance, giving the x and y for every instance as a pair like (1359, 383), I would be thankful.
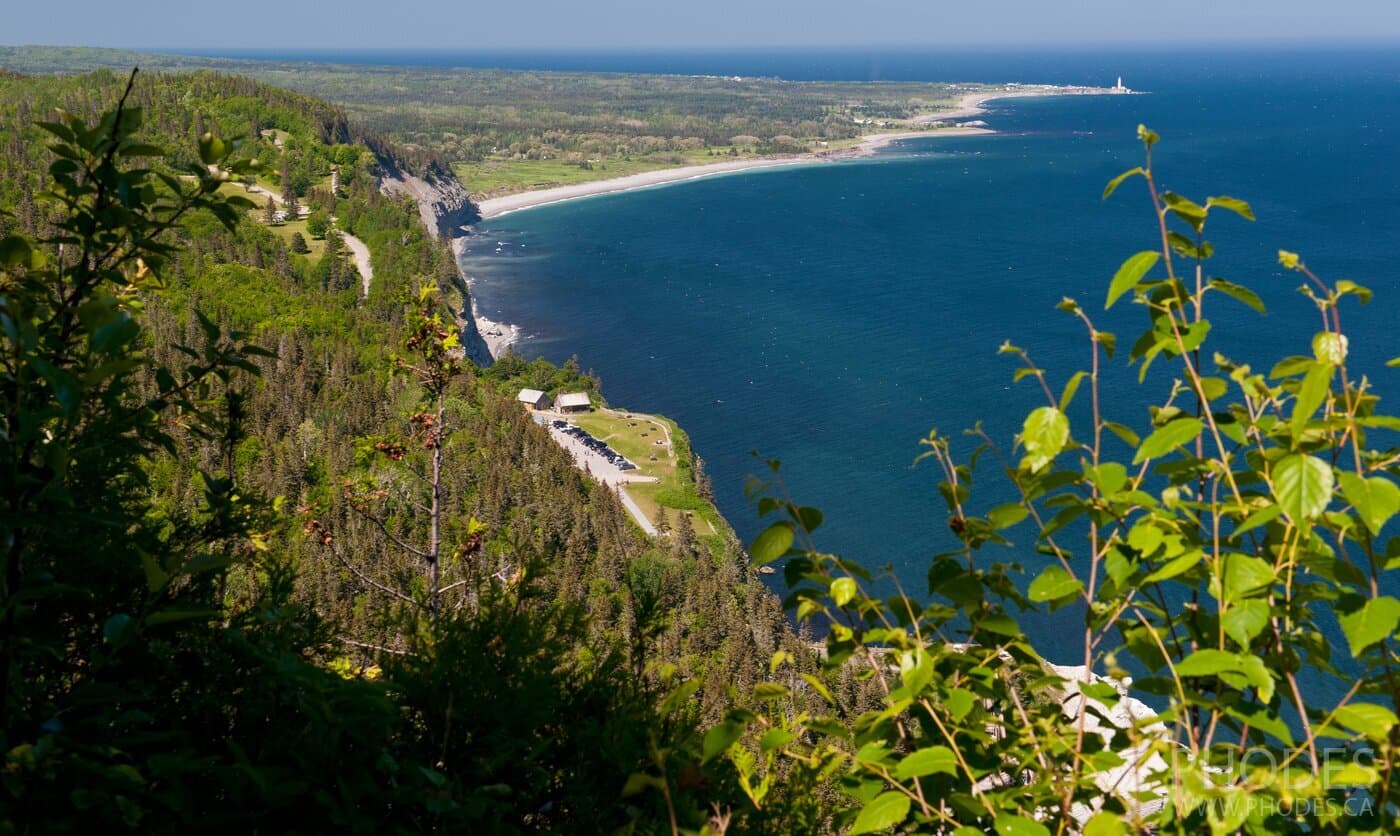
(303, 674)
(279, 558)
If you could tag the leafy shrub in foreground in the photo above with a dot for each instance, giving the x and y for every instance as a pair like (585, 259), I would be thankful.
(1252, 515)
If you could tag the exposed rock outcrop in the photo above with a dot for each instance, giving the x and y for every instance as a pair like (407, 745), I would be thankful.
(442, 199)
(447, 211)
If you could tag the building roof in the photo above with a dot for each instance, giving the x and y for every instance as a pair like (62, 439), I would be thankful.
(530, 396)
(573, 399)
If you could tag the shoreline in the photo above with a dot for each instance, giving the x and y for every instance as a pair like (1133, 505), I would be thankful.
(968, 106)
(497, 206)
(499, 336)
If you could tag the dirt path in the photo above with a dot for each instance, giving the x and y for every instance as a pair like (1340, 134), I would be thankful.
(360, 253)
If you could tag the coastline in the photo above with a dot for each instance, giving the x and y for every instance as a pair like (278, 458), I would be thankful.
(499, 336)
(497, 206)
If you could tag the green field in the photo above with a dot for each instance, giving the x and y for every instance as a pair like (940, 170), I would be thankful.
(286, 230)
(635, 436)
(495, 177)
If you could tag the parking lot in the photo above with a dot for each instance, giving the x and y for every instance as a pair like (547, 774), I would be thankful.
(606, 464)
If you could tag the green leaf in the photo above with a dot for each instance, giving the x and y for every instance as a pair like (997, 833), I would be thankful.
(107, 339)
(1005, 516)
(1053, 584)
(155, 575)
(1312, 392)
(883, 812)
(1245, 573)
(636, 783)
(1208, 662)
(1257, 673)
(1239, 293)
(1070, 389)
(1129, 274)
(1239, 207)
(926, 762)
(1302, 486)
(1188, 210)
(1376, 500)
(1374, 622)
(1118, 181)
(1176, 566)
(1237, 670)
(719, 739)
(916, 670)
(14, 252)
(960, 702)
(1373, 721)
(1109, 477)
(114, 628)
(1019, 826)
(1168, 437)
(1105, 824)
(1263, 516)
(772, 544)
(775, 739)
(1044, 434)
(1125, 434)
(1362, 292)
(1145, 537)
(1330, 348)
(843, 590)
(818, 686)
(1245, 620)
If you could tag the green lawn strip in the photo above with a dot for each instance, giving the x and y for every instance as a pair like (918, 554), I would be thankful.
(496, 177)
(287, 229)
(636, 439)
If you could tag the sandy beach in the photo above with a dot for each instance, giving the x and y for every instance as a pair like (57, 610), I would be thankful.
(969, 106)
(499, 335)
(497, 206)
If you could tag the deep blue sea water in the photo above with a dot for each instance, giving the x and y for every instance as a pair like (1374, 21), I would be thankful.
(830, 315)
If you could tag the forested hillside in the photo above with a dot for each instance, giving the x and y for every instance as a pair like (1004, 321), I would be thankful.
(277, 557)
(508, 130)
(478, 650)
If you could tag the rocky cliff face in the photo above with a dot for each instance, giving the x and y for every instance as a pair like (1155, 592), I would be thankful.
(447, 211)
(442, 200)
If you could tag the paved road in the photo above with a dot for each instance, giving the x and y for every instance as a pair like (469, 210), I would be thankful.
(606, 472)
(360, 253)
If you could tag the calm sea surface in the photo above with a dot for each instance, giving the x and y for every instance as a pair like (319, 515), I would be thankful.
(830, 315)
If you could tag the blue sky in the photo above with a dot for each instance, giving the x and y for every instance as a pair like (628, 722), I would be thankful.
(447, 24)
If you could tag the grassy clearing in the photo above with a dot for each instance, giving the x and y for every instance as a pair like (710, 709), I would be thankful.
(497, 177)
(286, 230)
(635, 437)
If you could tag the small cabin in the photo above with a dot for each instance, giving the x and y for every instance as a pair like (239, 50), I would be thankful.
(574, 402)
(534, 399)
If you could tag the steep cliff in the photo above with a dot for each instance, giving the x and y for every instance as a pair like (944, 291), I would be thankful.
(442, 199)
(447, 211)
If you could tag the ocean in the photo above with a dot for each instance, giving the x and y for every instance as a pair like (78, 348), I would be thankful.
(830, 315)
